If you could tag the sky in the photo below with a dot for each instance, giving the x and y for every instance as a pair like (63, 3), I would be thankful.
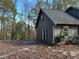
(29, 4)
(20, 6)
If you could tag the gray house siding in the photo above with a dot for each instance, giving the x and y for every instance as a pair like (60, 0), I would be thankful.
(44, 28)
(72, 31)
(57, 30)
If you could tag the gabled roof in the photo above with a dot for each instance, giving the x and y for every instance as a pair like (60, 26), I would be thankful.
(74, 11)
(60, 17)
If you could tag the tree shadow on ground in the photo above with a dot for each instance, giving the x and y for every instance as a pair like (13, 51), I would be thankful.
(27, 42)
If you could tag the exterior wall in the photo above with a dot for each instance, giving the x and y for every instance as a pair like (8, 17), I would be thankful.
(45, 24)
(73, 31)
(57, 31)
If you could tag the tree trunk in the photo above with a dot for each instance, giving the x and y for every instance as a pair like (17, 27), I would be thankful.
(28, 30)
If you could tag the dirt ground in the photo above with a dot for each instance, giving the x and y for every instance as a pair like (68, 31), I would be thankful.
(32, 50)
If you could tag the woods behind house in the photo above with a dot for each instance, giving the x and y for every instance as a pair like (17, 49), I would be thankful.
(20, 25)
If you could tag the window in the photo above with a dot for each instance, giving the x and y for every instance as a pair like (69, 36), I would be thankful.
(65, 30)
(43, 34)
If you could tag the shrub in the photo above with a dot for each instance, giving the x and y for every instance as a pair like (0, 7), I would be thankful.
(73, 40)
(59, 38)
(67, 39)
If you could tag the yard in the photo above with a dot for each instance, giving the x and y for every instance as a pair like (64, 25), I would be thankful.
(23, 50)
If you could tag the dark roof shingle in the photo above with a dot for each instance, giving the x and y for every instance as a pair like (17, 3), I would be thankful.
(73, 11)
(59, 17)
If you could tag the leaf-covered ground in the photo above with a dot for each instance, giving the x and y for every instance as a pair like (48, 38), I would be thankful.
(22, 50)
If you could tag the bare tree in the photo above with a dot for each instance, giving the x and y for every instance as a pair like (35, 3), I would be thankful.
(63, 4)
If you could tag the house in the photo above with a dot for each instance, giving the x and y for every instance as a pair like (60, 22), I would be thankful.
(50, 23)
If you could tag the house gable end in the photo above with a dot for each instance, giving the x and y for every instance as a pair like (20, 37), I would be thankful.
(38, 18)
(46, 19)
